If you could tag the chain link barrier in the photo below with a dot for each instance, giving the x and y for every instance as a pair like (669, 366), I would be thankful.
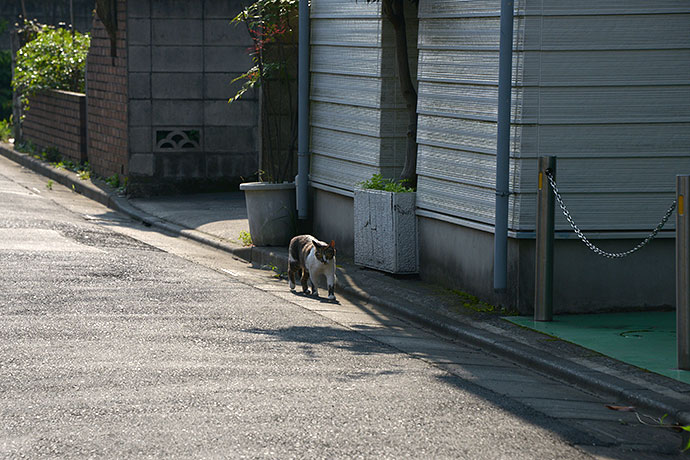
(589, 244)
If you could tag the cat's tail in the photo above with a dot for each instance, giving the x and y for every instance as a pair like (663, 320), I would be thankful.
(293, 251)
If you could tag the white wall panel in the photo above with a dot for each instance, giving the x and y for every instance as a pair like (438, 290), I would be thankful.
(358, 122)
(603, 86)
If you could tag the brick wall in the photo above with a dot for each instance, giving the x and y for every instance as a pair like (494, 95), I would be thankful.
(57, 119)
(107, 98)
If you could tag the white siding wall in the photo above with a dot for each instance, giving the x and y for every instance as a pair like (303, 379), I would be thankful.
(603, 86)
(357, 118)
(458, 90)
(607, 90)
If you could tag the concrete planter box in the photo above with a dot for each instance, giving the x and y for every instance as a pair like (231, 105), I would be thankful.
(386, 231)
(271, 212)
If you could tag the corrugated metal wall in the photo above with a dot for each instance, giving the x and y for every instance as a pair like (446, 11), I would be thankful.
(607, 90)
(458, 90)
(603, 86)
(357, 119)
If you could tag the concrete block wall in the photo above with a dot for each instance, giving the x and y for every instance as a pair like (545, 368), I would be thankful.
(58, 119)
(183, 132)
(106, 90)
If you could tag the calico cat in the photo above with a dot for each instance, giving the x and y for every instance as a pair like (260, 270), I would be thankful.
(313, 258)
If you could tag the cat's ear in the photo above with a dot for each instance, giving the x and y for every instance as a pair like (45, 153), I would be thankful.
(332, 245)
(320, 244)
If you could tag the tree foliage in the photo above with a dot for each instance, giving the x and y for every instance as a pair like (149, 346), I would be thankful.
(54, 59)
(267, 21)
(272, 26)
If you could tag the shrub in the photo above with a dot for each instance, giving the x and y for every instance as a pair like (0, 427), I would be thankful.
(5, 130)
(53, 60)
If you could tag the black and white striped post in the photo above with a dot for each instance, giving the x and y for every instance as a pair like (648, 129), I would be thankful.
(543, 292)
(683, 271)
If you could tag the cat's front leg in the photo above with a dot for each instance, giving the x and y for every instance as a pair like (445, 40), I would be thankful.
(330, 279)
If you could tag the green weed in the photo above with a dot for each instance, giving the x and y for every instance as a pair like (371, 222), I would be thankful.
(113, 181)
(276, 273)
(245, 238)
(654, 422)
(377, 182)
(26, 147)
(49, 185)
(122, 189)
(51, 155)
(470, 302)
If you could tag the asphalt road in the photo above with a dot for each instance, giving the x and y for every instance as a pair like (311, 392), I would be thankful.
(117, 341)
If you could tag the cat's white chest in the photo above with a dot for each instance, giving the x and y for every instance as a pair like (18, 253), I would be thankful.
(315, 266)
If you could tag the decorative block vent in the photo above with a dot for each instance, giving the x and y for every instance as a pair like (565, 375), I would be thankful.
(178, 140)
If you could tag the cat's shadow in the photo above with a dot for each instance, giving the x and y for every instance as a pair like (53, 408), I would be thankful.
(319, 298)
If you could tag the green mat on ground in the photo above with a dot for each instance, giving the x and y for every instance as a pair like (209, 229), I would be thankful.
(646, 339)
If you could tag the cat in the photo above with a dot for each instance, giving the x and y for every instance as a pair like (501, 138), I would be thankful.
(313, 258)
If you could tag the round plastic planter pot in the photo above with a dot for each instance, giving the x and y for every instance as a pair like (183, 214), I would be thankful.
(271, 212)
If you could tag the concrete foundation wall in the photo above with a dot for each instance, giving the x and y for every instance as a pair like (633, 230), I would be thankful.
(462, 258)
(334, 220)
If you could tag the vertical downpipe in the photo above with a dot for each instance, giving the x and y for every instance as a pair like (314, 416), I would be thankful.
(303, 113)
(505, 67)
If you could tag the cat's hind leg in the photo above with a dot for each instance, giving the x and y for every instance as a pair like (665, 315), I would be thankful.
(293, 268)
(305, 278)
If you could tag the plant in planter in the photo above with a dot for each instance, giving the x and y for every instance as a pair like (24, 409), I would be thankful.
(386, 225)
(272, 26)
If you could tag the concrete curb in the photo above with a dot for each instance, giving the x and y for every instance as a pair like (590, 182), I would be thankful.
(537, 359)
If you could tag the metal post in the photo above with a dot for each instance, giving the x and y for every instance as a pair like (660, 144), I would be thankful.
(543, 292)
(683, 271)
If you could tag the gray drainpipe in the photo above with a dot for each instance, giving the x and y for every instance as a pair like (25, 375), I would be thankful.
(303, 113)
(505, 64)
